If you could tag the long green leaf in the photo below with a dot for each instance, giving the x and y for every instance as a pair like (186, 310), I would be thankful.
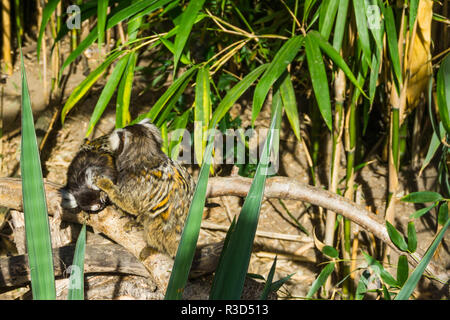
(170, 92)
(116, 17)
(102, 10)
(392, 40)
(415, 276)
(443, 92)
(46, 14)
(234, 94)
(396, 237)
(422, 196)
(363, 30)
(319, 79)
(336, 57)
(123, 116)
(86, 84)
(230, 274)
(268, 284)
(282, 59)
(188, 242)
(37, 227)
(76, 280)
(323, 276)
(328, 19)
(202, 111)
(187, 21)
(107, 93)
(290, 104)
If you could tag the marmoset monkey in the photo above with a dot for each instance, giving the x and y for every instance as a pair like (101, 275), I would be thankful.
(94, 158)
(150, 186)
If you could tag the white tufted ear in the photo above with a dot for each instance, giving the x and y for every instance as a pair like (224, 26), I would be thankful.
(145, 121)
(115, 139)
(68, 200)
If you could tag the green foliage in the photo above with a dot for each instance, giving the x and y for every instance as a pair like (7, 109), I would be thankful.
(37, 229)
(206, 56)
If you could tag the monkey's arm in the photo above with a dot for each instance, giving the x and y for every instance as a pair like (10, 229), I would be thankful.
(114, 194)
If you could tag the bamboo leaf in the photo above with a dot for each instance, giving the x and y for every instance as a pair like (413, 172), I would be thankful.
(323, 276)
(341, 23)
(187, 21)
(179, 125)
(282, 59)
(172, 92)
(76, 280)
(330, 251)
(123, 116)
(374, 265)
(116, 17)
(413, 7)
(37, 229)
(443, 213)
(188, 242)
(422, 211)
(46, 14)
(319, 79)
(443, 92)
(290, 104)
(328, 19)
(106, 94)
(102, 10)
(415, 276)
(202, 112)
(86, 84)
(361, 25)
(422, 196)
(230, 274)
(412, 237)
(396, 237)
(402, 270)
(234, 94)
(337, 59)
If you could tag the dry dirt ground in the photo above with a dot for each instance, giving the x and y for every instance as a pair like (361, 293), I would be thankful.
(297, 256)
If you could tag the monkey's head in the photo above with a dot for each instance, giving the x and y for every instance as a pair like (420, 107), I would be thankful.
(137, 144)
(80, 190)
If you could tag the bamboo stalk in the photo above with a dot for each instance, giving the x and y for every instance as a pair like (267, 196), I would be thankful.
(6, 38)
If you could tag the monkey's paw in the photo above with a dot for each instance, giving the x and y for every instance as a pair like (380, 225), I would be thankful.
(104, 184)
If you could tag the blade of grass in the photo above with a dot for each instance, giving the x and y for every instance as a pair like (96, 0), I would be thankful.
(76, 280)
(37, 227)
(230, 274)
(282, 59)
(268, 284)
(188, 242)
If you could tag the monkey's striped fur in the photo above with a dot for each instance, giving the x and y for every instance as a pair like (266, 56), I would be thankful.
(150, 186)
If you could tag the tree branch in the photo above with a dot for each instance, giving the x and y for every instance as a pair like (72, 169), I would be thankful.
(111, 223)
